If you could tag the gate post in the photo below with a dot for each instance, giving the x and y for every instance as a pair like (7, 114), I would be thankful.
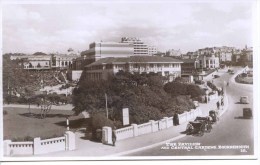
(135, 128)
(37, 146)
(107, 135)
(7, 147)
(70, 142)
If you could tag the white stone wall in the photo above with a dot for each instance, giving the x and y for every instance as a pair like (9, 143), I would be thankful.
(38, 146)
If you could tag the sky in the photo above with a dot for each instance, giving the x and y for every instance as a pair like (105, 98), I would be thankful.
(188, 26)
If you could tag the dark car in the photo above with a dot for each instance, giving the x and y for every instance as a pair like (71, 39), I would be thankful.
(200, 82)
(216, 76)
(206, 120)
(247, 113)
(196, 128)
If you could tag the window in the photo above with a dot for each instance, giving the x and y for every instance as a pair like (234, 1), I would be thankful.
(166, 65)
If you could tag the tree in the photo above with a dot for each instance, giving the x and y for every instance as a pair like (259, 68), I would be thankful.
(39, 53)
(28, 95)
(45, 105)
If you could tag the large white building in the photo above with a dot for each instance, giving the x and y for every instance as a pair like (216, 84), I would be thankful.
(37, 62)
(140, 48)
(208, 61)
(165, 66)
(99, 50)
(152, 50)
(63, 60)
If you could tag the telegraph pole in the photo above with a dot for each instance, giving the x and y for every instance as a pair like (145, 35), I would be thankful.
(106, 104)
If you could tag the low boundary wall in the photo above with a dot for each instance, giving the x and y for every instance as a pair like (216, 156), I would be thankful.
(38, 146)
(154, 126)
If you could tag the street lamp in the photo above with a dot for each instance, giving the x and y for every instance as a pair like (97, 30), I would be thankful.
(67, 123)
(207, 95)
(106, 104)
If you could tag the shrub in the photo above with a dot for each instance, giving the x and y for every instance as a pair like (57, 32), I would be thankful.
(21, 139)
(99, 120)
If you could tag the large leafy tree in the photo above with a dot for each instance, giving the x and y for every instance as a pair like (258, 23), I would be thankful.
(144, 95)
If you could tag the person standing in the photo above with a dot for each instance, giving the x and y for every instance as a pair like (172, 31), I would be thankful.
(114, 137)
(175, 119)
(218, 105)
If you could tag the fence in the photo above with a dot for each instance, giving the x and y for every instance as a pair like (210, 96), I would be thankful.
(154, 126)
(38, 146)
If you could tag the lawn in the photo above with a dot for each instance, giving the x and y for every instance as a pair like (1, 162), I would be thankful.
(18, 123)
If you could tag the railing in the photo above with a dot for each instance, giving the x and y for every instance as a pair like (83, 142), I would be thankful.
(187, 116)
(144, 128)
(125, 133)
(53, 145)
(154, 126)
(21, 148)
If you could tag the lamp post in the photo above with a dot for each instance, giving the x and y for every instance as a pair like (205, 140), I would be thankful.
(207, 95)
(106, 104)
(67, 123)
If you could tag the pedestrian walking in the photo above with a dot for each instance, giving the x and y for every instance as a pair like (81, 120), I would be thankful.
(114, 136)
(218, 105)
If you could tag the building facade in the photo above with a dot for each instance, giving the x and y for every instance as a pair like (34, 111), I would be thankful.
(173, 52)
(63, 61)
(152, 50)
(225, 56)
(140, 48)
(165, 66)
(99, 50)
(208, 61)
(38, 62)
(189, 66)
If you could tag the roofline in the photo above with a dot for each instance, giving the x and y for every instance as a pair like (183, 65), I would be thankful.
(129, 63)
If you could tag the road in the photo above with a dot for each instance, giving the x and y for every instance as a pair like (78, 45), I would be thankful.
(231, 130)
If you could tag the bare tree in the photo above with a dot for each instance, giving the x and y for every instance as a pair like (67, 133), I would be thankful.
(45, 107)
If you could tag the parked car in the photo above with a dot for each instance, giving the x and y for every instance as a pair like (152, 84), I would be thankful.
(232, 72)
(244, 100)
(200, 82)
(247, 113)
(216, 76)
(199, 126)
(196, 128)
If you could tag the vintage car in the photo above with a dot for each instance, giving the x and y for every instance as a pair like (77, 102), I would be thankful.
(208, 122)
(199, 126)
(247, 113)
(196, 128)
(244, 100)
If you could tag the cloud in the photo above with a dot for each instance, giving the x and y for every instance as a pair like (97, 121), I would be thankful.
(186, 26)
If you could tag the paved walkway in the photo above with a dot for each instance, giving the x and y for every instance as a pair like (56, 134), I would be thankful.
(126, 146)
